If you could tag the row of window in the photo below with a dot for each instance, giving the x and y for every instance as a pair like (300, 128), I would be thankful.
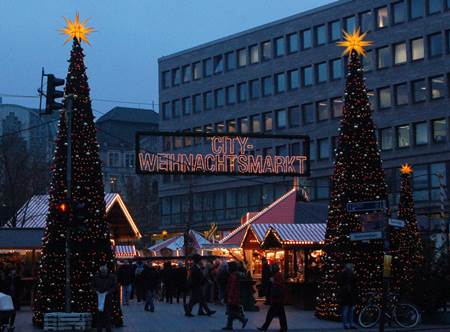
(117, 159)
(379, 18)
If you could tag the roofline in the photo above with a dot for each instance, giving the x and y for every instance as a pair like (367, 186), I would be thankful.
(130, 220)
(251, 30)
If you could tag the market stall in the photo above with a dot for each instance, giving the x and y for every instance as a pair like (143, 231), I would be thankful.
(175, 246)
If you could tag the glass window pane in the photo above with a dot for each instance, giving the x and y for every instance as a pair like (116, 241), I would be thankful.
(419, 91)
(417, 49)
(439, 130)
(218, 64)
(435, 43)
(399, 12)
(308, 113)
(306, 39)
(165, 79)
(335, 30)
(242, 57)
(242, 92)
(434, 6)
(176, 109)
(421, 133)
(176, 76)
(207, 67)
(438, 87)
(254, 54)
(294, 116)
(321, 36)
(207, 100)
(382, 17)
(403, 136)
(254, 89)
(187, 106)
(400, 53)
(307, 76)
(322, 72)
(186, 73)
(267, 85)
(268, 121)
(367, 61)
(256, 123)
(435, 170)
(243, 125)
(372, 101)
(323, 188)
(417, 8)
(384, 97)
(350, 24)
(166, 111)
(281, 118)
(323, 148)
(197, 103)
(279, 46)
(420, 178)
(293, 79)
(280, 83)
(292, 42)
(219, 97)
(266, 51)
(231, 94)
(196, 71)
(322, 110)
(366, 21)
(230, 61)
(384, 57)
(401, 94)
(336, 69)
(338, 107)
(387, 139)
(231, 126)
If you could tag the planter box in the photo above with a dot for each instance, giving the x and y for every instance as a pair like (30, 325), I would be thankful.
(67, 321)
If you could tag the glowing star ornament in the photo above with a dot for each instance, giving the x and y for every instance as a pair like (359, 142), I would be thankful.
(406, 169)
(354, 42)
(76, 29)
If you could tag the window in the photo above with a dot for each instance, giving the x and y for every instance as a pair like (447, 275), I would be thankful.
(312, 150)
(306, 39)
(187, 139)
(292, 42)
(218, 64)
(281, 118)
(437, 87)
(231, 94)
(197, 103)
(176, 76)
(416, 9)
(266, 51)
(417, 49)
(435, 44)
(256, 123)
(242, 57)
(293, 79)
(421, 133)
(186, 73)
(254, 54)
(281, 150)
(166, 111)
(322, 110)
(280, 83)
(336, 69)
(187, 106)
(114, 159)
(113, 183)
(383, 57)
(439, 130)
(382, 17)
(165, 79)
(307, 113)
(219, 96)
(196, 71)
(220, 127)
(335, 30)
(207, 100)
(401, 94)
(243, 125)
(231, 126)
(371, 97)
(267, 85)
(207, 67)
(230, 61)
(307, 76)
(267, 120)
(447, 4)
(399, 12)
(321, 72)
(434, 6)
(400, 53)
(384, 97)
(279, 46)
(294, 116)
(242, 92)
(323, 188)
(367, 61)
(350, 24)
(403, 136)
(323, 148)
(176, 109)
(254, 89)
(366, 21)
(197, 139)
(419, 91)
(386, 139)
(321, 35)
(338, 107)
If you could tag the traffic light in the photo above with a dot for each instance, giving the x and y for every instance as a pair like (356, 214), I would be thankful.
(51, 104)
(63, 211)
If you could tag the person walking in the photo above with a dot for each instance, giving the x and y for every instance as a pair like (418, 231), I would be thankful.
(233, 298)
(347, 295)
(181, 282)
(168, 278)
(266, 273)
(276, 299)
(151, 281)
(105, 284)
(139, 281)
(196, 283)
(125, 278)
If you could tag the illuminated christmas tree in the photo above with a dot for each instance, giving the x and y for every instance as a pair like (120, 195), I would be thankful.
(406, 243)
(358, 176)
(90, 239)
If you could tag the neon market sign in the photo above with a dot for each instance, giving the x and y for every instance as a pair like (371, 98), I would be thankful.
(222, 154)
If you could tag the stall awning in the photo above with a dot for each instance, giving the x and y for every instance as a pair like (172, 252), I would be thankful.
(294, 234)
(177, 242)
(125, 251)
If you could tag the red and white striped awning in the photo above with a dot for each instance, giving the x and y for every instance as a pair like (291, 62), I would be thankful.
(125, 251)
(293, 233)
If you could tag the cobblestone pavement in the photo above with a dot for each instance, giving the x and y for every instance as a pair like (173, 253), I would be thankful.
(170, 318)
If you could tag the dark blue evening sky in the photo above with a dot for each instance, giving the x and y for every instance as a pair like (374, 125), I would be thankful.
(131, 35)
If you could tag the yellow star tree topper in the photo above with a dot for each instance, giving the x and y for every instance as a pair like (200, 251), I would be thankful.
(354, 41)
(76, 29)
(406, 169)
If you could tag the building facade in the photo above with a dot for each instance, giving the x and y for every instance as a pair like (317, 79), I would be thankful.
(288, 77)
(116, 136)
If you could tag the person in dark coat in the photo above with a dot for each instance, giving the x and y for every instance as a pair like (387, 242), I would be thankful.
(347, 295)
(168, 279)
(105, 282)
(222, 280)
(181, 282)
(266, 273)
(151, 282)
(139, 281)
(276, 299)
(233, 298)
(125, 277)
(196, 282)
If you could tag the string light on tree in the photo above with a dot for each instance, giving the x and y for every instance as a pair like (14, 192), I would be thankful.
(358, 176)
(90, 235)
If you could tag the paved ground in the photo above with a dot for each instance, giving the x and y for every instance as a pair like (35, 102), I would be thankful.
(170, 318)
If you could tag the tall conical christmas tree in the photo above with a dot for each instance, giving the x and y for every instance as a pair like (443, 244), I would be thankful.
(90, 239)
(358, 176)
(406, 243)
